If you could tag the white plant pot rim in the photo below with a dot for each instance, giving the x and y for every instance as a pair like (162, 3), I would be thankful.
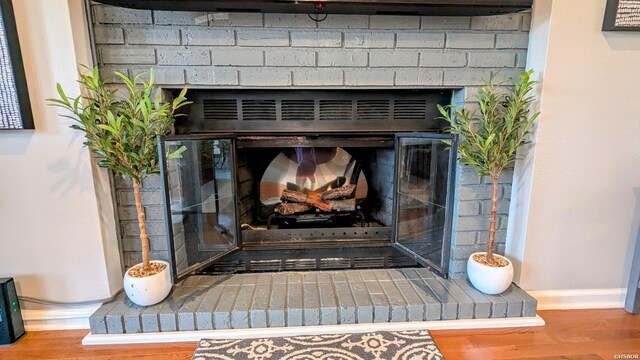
(484, 253)
(150, 276)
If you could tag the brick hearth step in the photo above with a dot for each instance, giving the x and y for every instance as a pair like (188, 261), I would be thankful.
(241, 301)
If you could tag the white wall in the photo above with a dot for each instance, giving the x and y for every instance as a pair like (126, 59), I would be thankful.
(50, 235)
(584, 209)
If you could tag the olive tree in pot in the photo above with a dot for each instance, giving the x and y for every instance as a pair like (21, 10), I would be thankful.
(490, 142)
(121, 130)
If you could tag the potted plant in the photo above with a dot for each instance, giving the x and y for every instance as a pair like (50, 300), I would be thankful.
(489, 144)
(121, 130)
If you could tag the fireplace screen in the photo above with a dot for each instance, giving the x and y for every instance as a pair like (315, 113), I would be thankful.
(334, 194)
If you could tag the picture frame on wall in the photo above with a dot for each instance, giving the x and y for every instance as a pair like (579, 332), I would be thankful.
(622, 15)
(15, 106)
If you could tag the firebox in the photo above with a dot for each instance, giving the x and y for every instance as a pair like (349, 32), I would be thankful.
(274, 180)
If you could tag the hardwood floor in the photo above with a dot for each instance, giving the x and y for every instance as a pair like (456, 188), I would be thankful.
(575, 334)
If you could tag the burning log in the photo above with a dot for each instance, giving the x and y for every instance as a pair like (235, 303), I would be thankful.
(286, 208)
(343, 205)
(343, 192)
(312, 199)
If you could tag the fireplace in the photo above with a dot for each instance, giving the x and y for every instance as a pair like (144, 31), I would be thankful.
(274, 180)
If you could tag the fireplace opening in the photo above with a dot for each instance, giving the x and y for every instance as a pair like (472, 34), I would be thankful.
(246, 201)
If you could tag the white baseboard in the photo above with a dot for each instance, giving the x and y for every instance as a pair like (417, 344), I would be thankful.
(184, 336)
(58, 318)
(580, 299)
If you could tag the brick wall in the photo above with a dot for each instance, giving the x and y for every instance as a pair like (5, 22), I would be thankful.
(237, 50)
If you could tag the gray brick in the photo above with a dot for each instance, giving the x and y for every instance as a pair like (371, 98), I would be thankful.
(466, 77)
(445, 22)
(263, 38)
(328, 305)
(311, 298)
(514, 303)
(449, 305)
(290, 57)
(259, 306)
(469, 177)
(128, 55)
(512, 41)
(503, 207)
(473, 223)
(150, 319)
(242, 306)
(154, 181)
(153, 228)
(470, 40)
(420, 40)
(163, 76)
(364, 305)
(127, 213)
(346, 58)
(526, 22)
(393, 58)
(529, 303)
(397, 303)
(433, 306)
(336, 21)
(415, 304)
(108, 35)
(521, 60)
(468, 208)
(265, 77)
(496, 22)
(369, 77)
(317, 77)
(465, 238)
(97, 320)
(167, 315)
(235, 19)
(498, 306)
(222, 312)
(316, 39)
(118, 15)
(158, 243)
(394, 22)
(482, 308)
(437, 58)
(207, 37)
(153, 36)
(483, 237)
(419, 77)
(381, 306)
(186, 313)
(184, 56)
(212, 76)
(180, 18)
(277, 305)
(153, 212)
(238, 57)
(370, 40)
(346, 304)
(288, 21)
(295, 304)
(492, 59)
(203, 313)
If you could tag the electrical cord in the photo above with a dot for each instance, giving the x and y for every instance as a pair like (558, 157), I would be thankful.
(62, 303)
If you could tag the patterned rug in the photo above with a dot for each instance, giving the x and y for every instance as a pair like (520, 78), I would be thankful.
(401, 345)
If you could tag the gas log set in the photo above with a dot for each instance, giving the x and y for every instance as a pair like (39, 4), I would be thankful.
(302, 200)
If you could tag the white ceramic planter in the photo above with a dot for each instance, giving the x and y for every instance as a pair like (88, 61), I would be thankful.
(148, 290)
(488, 279)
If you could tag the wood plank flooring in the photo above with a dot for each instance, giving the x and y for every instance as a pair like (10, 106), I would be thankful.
(574, 334)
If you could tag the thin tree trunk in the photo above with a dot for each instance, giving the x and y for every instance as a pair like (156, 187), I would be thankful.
(493, 218)
(144, 239)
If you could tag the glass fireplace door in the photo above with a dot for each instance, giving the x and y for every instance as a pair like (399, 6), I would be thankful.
(423, 198)
(199, 189)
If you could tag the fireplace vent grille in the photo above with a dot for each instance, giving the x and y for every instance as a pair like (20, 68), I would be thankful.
(305, 110)
(268, 110)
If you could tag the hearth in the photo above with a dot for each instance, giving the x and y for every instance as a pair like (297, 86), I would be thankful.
(274, 180)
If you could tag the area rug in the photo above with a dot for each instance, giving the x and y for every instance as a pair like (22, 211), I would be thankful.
(400, 345)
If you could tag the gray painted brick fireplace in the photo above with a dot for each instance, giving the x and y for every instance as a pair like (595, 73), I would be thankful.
(235, 50)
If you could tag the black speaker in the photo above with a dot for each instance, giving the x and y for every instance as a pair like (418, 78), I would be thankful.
(11, 325)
